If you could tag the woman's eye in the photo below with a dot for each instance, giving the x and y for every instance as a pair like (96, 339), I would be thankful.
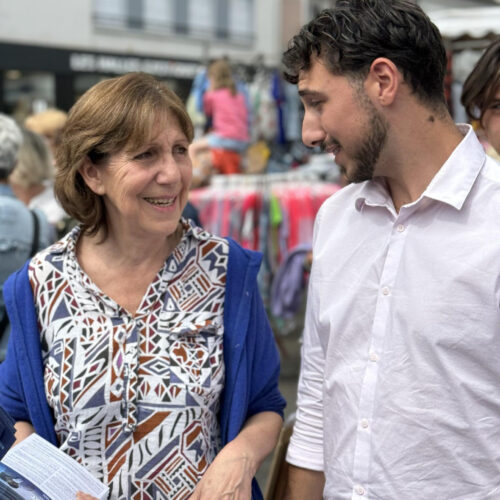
(180, 150)
(144, 155)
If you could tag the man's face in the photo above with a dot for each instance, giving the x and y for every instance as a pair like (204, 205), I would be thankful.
(340, 118)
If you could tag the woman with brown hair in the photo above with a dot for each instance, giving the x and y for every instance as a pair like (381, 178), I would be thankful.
(152, 362)
(481, 94)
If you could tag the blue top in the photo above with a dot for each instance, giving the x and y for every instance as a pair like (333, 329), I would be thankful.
(16, 238)
(250, 354)
(16, 234)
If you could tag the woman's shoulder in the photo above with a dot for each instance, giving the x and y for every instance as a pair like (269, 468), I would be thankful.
(51, 258)
(231, 248)
(208, 243)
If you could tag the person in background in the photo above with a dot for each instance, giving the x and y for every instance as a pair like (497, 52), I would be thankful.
(227, 111)
(398, 391)
(190, 212)
(48, 124)
(32, 179)
(152, 360)
(481, 95)
(22, 231)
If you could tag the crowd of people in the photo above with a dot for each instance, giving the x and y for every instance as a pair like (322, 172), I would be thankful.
(151, 358)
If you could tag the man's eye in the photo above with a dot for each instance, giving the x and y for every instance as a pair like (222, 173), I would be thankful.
(315, 104)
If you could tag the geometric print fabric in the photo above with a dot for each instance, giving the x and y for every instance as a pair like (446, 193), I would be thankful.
(135, 398)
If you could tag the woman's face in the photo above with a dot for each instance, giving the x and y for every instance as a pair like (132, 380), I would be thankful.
(491, 122)
(145, 191)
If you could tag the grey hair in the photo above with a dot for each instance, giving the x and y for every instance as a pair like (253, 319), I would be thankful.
(10, 141)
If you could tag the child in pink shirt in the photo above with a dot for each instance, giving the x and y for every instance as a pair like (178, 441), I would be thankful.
(227, 109)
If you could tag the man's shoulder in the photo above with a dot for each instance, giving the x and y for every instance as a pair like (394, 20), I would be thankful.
(15, 219)
(13, 205)
(345, 198)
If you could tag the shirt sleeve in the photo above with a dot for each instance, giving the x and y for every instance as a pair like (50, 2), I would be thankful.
(306, 443)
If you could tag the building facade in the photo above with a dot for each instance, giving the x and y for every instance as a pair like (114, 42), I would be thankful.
(52, 51)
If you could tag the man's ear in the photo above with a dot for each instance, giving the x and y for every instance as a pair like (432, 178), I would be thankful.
(91, 174)
(383, 81)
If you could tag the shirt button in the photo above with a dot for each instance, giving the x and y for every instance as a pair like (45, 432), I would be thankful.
(359, 490)
(401, 228)
(373, 357)
(386, 290)
(365, 423)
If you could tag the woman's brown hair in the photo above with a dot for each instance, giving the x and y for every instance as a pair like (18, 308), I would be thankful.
(482, 83)
(115, 114)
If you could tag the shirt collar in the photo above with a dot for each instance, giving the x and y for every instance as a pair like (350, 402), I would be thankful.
(452, 183)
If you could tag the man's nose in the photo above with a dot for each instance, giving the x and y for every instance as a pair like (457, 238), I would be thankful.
(312, 131)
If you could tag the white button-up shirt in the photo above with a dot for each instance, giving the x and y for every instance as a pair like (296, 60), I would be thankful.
(399, 393)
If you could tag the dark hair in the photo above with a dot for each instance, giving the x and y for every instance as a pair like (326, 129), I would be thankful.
(349, 37)
(482, 83)
(117, 114)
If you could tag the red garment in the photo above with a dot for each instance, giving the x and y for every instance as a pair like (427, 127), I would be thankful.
(225, 161)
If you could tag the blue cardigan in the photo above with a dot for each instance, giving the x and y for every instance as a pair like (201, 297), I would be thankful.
(250, 355)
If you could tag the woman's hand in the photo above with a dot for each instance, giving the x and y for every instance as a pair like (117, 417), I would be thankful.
(23, 430)
(85, 496)
(229, 476)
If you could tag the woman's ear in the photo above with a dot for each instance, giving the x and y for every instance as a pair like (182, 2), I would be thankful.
(91, 174)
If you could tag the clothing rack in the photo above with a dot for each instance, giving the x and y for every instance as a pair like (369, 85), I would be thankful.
(271, 213)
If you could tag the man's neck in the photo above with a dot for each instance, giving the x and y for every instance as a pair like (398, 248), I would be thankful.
(418, 146)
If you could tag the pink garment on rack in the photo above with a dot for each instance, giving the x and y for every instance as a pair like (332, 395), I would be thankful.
(236, 211)
(229, 113)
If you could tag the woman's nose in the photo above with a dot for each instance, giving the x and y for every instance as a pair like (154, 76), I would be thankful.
(168, 171)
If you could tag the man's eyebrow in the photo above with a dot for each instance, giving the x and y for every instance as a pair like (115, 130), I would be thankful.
(310, 93)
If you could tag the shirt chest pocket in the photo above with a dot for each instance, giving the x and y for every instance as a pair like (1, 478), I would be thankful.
(195, 359)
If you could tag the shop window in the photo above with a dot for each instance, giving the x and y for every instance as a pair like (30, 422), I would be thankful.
(230, 20)
(28, 92)
(202, 18)
(159, 15)
(110, 13)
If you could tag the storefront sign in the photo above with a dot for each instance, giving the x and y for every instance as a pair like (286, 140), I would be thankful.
(111, 64)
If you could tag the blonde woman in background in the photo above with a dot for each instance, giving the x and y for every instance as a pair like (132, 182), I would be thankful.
(32, 179)
(48, 124)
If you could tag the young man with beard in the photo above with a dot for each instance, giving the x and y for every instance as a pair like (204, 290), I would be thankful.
(398, 393)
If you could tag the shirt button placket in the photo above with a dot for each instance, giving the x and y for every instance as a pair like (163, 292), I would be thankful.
(359, 490)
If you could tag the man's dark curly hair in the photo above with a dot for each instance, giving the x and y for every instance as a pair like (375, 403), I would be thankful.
(349, 37)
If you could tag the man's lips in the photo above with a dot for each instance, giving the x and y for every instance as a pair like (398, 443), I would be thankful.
(333, 149)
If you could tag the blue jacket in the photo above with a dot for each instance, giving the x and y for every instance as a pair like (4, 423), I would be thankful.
(250, 354)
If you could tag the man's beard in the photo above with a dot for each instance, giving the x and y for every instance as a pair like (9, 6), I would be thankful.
(370, 146)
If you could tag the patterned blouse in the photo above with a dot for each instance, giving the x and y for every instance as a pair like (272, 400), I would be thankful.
(135, 397)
